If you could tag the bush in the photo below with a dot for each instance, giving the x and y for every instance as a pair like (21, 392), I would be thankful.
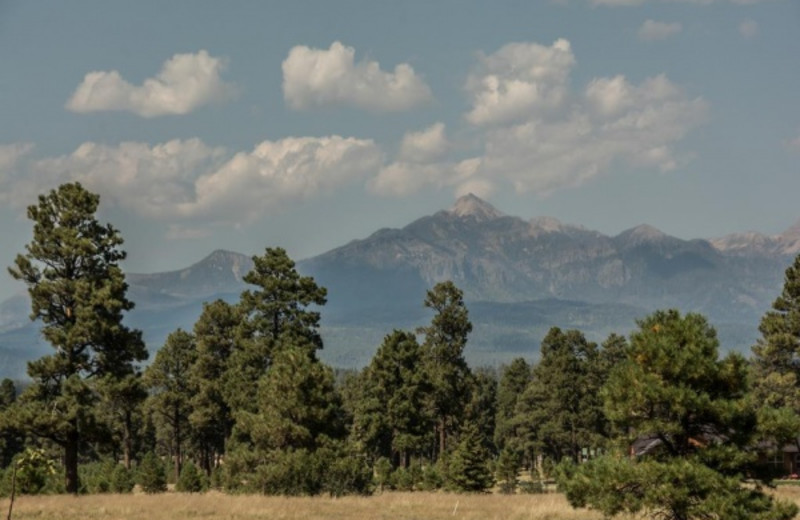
(122, 480)
(345, 475)
(151, 475)
(191, 480)
(383, 472)
(36, 474)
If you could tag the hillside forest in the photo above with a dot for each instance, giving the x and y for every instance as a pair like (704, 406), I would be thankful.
(656, 422)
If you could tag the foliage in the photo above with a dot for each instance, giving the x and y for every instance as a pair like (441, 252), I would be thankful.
(776, 362)
(191, 480)
(508, 465)
(467, 468)
(445, 367)
(77, 290)
(122, 480)
(151, 475)
(692, 410)
(390, 417)
(514, 380)
(171, 391)
(560, 412)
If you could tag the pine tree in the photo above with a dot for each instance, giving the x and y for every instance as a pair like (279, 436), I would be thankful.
(560, 412)
(445, 339)
(277, 310)
(390, 418)
(77, 291)
(468, 463)
(776, 363)
(151, 475)
(11, 438)
(211, 419)
(171, 390)
(513, 382)
(694, 412)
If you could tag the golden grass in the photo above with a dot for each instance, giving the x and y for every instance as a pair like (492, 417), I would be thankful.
(386, 506)
(217, 506)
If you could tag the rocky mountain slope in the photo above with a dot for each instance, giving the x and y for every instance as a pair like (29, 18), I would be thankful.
(519, 277)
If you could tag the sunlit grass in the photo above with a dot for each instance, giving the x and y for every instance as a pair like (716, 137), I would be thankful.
(386, 506)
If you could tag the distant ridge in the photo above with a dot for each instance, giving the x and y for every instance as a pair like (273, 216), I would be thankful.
(519, 278)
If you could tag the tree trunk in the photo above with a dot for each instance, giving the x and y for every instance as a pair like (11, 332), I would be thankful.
(128, 444)
(72, 482)
(442, 437)
(177, 432)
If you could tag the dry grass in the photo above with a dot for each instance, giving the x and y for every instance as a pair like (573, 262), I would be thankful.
(387, 506)
(217, 506)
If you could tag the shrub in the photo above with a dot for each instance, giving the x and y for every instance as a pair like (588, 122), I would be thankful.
(191, 480)
(151, 475)
(122, 480)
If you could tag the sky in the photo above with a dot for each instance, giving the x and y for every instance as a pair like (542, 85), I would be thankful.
(306, 124)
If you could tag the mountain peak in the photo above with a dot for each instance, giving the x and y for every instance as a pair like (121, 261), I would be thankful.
(473, 206)
(793, 232)
(643, 233)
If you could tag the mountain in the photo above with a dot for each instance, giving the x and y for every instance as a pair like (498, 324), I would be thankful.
(753, 244)
(519, 278)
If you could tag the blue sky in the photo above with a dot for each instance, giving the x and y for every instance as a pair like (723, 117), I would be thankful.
(307, 124)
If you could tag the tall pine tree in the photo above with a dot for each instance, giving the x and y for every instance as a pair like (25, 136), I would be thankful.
(78, 292)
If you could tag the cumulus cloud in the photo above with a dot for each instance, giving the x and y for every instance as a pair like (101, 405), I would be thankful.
(562, 137)
(10, 154)
(748, 29)
(519, 80)
(402, 178)
(652, 30)
(426, 145)
(187, 181)
(323, 77)
(185, 82)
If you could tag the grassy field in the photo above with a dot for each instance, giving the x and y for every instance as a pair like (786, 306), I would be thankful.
(387, 506)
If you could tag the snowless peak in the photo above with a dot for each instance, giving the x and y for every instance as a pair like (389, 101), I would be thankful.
(473, 206)
(547, 224)
(793, 232)
(643, 233)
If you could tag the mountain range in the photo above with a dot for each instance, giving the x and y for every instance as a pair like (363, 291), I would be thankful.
(519, 278)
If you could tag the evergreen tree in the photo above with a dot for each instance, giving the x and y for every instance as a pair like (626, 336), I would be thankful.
(171, 391)
(468, 463)
(11, 438)
(560, 412)
(77, 290)
(694, 413)
(776, 363)
(277, 310)
(211, 419)
(482, 407)
(513, 382)
(191, 479)
(445, 367)
(390, 418)
(151, 475)
(120, 408)
(298, 414)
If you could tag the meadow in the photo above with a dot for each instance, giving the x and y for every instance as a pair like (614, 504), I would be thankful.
(385, 506)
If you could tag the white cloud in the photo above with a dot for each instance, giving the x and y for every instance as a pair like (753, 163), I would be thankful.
(401, 178)
(616, 123)
(519, 80)
(425, 146)
(323, 77)
(188, 182)
(10, 154)
(185, 82)
(652, 30)
(748, 29)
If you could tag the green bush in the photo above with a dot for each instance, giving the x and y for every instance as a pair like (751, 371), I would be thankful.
(151, 474)
(191, 480)
(122, 480)
(95, 477)
(383, 472)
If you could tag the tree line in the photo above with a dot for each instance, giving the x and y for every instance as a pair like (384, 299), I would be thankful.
(242, 402)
